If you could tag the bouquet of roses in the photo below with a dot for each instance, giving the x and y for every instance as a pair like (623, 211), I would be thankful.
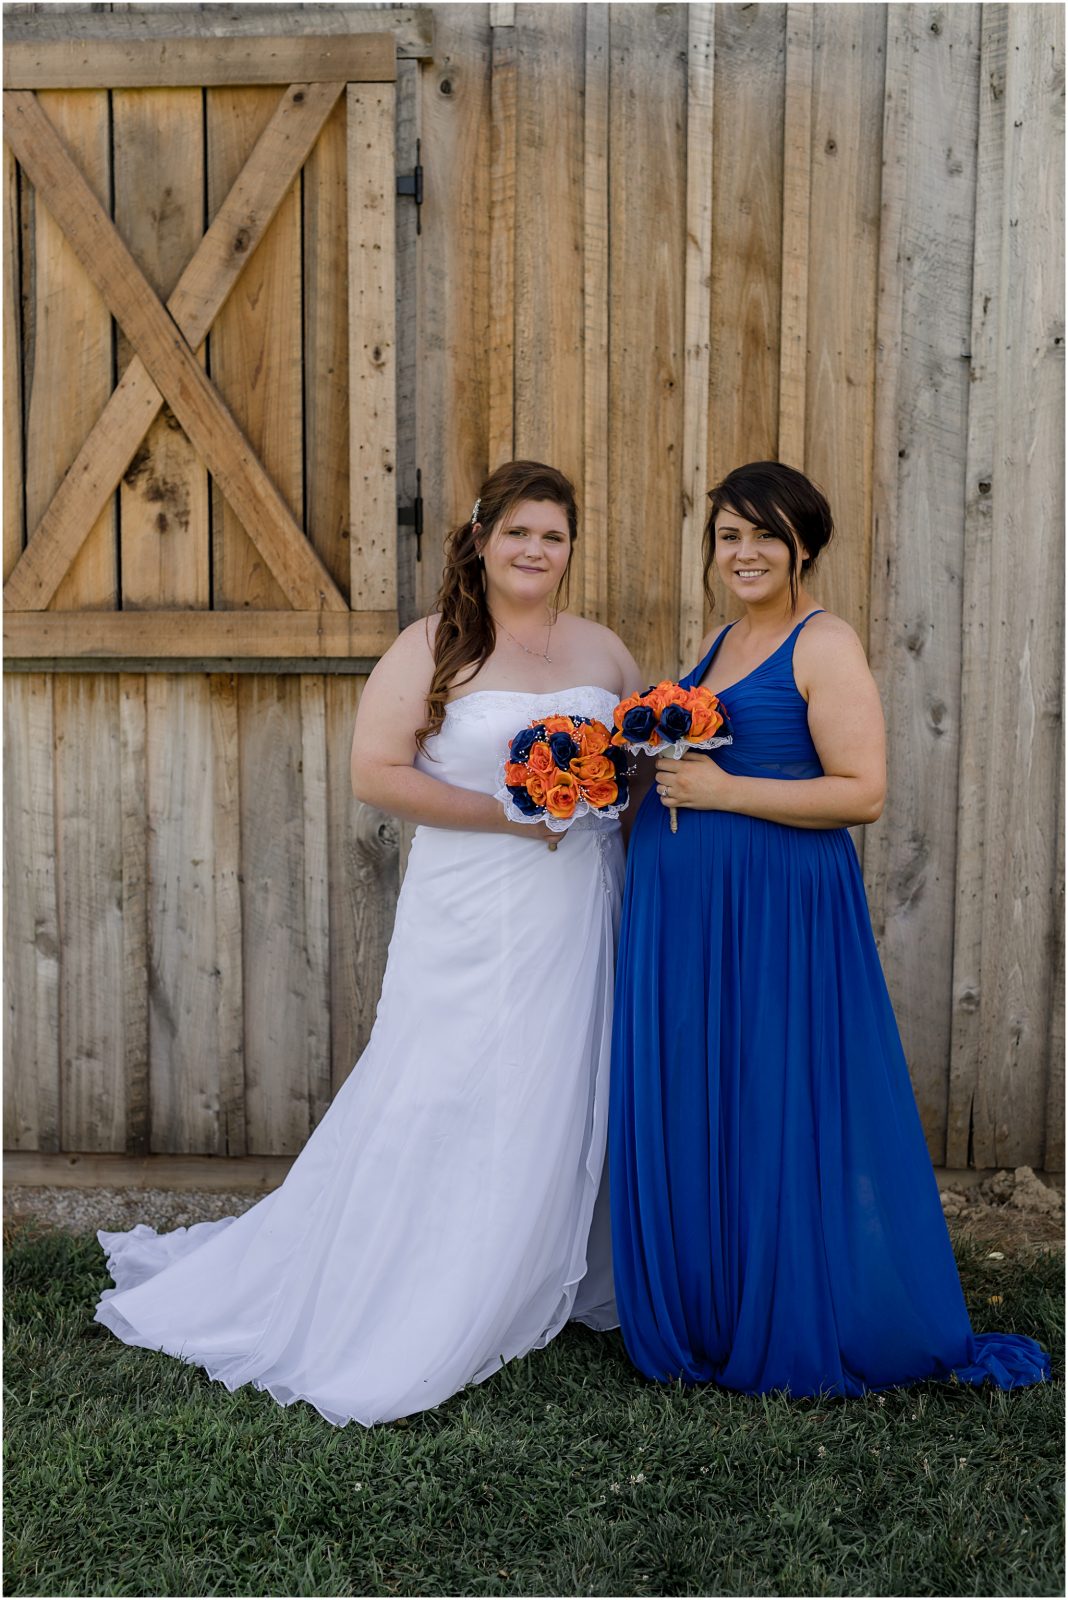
(560, 768)
(668, 720)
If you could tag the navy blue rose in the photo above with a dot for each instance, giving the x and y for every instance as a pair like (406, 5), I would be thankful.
(564, 749)
(675, 723)
(619, 758)
(521, 745)
(623, 786)
(638, 723)
(523, 802)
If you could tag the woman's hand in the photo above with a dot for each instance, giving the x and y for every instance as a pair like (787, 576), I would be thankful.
(692, 781)
(531, 830)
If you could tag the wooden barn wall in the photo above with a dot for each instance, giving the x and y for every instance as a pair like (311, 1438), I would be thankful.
(657, 241)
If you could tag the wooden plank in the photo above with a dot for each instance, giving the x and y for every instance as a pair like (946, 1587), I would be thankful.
(226, 248)
(376, 839)
(747, 187)
(346, 1042)
(256, 354)
(31, 921)
(372, 349)
(549, 274)
(197, 635)
(14, 487)
(125, 63)
(977, 618)
(594, 524)
(796, 198)
(1053, 1159)
(647, 211)
(169, 360)
(175, 1173)
(184, 989)
(501, 343)
(89, 881)
(411, 27)
(158, 157)
(277, 979)
(135, 976)
(68, 370)
(699, 165)
(227, 883)
(847, 116)
(326, 348)
(1023, 686)
(407, 248)
(453, 395)
(921, 420)
(316, 852)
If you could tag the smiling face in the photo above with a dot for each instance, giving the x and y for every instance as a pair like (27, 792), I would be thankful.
(526, 554)
(753, 562)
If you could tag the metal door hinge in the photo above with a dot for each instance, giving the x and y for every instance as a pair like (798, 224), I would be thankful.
(412, 185)
(412, 516)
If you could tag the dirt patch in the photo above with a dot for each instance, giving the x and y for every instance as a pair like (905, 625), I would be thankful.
(1012, 1210)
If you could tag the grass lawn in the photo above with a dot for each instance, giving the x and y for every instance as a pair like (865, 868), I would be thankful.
(566, 1474)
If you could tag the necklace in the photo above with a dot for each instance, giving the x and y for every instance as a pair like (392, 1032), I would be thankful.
(542, 655)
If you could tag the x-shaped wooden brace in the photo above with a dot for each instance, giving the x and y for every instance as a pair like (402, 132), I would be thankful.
(165, 340)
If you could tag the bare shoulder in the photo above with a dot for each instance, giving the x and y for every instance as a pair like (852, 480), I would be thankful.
(602, 648)
(827, 647)
(408, 664)
(709, 640)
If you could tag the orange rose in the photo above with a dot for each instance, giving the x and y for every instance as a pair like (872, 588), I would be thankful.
(541, 760)
(621, 710)
(558, 725)
(665, 694)
(604, 793)
(705, 713)
(592, 769)
(537, 788)
(592, 739)
(562, 796)
(515, 773)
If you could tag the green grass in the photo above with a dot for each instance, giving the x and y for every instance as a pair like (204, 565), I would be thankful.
(566, 1474)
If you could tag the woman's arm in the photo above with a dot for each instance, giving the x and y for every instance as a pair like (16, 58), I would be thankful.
(845, 720)
(392, 710)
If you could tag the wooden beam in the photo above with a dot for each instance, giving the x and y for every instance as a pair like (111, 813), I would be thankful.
(169, 360)
(796, 195)
(410, 27)
(372, 349)
(25, 1168)
(125, 63)
(199, 295)
(197, 635)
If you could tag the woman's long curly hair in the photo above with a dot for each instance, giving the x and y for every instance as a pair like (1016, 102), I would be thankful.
(466, 634)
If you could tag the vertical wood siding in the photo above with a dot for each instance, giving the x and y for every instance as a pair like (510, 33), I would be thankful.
(657, 241)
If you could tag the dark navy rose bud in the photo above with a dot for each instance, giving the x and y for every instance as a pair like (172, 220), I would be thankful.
(619, 758)
(564, 749)
(520, 746)
(523, 802)
(623, 786)
(675, 723)
(638, 724)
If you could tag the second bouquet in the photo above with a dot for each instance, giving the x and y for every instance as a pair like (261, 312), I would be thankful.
(668, 720)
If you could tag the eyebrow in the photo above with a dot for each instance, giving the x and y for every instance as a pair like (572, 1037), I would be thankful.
(519, 527)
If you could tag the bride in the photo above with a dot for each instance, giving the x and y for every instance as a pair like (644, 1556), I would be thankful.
(444, 1216)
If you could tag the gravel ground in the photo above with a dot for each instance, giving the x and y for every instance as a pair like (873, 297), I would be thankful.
(1012, 1208)
(85, 1210)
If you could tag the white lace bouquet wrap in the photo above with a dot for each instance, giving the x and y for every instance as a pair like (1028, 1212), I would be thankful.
(560, 768)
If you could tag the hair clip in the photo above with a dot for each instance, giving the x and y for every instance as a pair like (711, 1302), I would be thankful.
(474, 511)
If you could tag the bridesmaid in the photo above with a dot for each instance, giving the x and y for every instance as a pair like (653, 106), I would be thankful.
(776, 1222)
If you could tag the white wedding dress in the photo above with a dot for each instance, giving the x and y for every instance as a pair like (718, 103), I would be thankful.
(444, 1216)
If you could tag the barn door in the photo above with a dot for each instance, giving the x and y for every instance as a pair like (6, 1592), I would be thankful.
(229, 203)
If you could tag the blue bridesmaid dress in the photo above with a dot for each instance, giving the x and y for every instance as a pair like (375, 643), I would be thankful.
(776, 1223)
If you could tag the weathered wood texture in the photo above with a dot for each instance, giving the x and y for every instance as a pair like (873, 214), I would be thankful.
(657, 241)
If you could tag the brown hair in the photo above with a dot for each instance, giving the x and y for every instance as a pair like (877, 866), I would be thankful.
(780, 500)
(466, 634)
